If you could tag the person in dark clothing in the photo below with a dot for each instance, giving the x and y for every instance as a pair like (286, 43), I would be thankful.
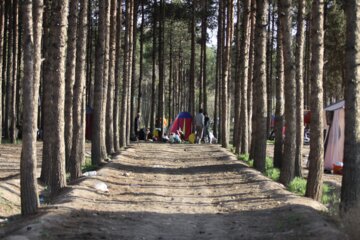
(137, 125)
(206, 127)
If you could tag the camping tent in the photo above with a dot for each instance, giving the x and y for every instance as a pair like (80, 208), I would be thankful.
(334, 140)
(183, 121)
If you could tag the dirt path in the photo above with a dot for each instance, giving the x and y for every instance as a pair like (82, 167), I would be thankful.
(161, 191)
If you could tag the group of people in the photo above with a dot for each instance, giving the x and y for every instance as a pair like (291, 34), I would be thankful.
(202, 126)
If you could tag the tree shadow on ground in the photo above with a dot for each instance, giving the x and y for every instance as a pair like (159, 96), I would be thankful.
(289, 222)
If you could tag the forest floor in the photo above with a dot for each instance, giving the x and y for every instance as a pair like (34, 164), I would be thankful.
(163, 191)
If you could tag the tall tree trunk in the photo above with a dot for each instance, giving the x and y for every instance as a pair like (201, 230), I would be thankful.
(161, 66)
(237, 81)
(130, 71)
(133, 65)
(4, 66)
(70, 77)
(32, 59)
(279, 111)
(225, 78)
(13, 128)
(110, 94)
(204, 27)
(90, 59)
(259, 85)
(307, 61)
(153, 82)
(288, 165)
(9, 66)
(269, 52)
(77, 155)
(244, 74)
(106, 78)
(57, 64)
(97, 147)
(219, 54)
(170, 99)
(141, 73)
(125, 90)
(117, 78)
(46, 99)
(350, 190)
(299, 60)
(192, 62)
(2, 26)
(316, 156)
(250, 95)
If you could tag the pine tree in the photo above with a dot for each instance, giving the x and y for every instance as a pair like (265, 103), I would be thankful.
(316, 155)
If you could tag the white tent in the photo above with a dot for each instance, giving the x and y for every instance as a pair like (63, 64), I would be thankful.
(334, 141)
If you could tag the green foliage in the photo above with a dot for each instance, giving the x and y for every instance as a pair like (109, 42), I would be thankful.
(330, 197)
(245, 158)
(87, 166)
(298, 186)
(273, 173)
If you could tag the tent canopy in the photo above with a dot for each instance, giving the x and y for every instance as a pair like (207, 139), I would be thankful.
(334, 142)
(183, 121)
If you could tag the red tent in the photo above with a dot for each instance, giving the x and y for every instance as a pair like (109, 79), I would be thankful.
(183, 121)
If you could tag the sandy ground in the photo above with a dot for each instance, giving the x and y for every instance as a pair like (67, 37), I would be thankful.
(162, 191)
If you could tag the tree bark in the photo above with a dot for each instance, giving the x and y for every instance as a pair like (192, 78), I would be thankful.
(350, 190)
(237, 82)
(279, 111)
(32, 60)
(110, 94)
(153, 82)
(225, 78)
(46, 100)
(9, 70)
(244, 68)
(287, 173)
(259, 85)
(192, 62)
(70, 77)
(77, 155)
(161, 66)
(2, 26)
(13, 128)
(299, 61)
(142, 40)
(316, 155)
(97, 147)
(57, 54)
(117, 78)
(106, 79)
(250, 95)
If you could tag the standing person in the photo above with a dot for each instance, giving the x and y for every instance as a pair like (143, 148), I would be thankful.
(199, 125)
(137, 125)
(206, 128)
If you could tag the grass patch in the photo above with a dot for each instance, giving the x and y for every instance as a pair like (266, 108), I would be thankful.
(273, 173)
(88, 166)
(246, 158)
(298, 186)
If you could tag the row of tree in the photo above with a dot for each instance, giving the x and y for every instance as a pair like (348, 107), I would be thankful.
(121, 57)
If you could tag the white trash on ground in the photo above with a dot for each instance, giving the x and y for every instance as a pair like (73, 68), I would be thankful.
(89, 174)
(101, 187)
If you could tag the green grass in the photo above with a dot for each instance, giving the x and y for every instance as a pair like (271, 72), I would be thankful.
(245, 158)
(298, 186)
(273, 173)
(87, 166)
